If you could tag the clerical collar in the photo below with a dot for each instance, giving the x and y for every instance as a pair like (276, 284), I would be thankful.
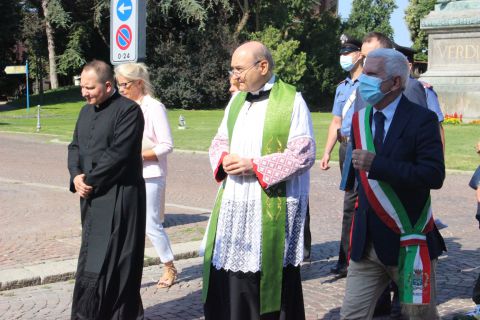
(261, 94)
(107, 101)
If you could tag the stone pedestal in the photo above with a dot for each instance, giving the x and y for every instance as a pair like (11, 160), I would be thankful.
(453, 30)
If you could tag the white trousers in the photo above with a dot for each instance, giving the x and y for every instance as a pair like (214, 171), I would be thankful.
(155, 188)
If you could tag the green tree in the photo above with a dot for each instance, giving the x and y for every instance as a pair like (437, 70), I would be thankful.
(290, 65)
(35, 41)
(319, 38)
(73, 58)
(370, 15)
(193, 10)
(10, 26)
(317, 32)
(416, 10)
(189, 63)
(52, 18)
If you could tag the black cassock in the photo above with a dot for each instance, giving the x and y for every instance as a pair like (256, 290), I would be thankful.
(106, 147)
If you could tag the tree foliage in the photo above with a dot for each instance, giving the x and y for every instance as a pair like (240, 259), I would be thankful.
(319, 38)
(189, 43)
(58, 16)
(370, 15)
(290, 65)
(73, 58)
(35, 40)
(317, 33)
(10, 26)
(193, 10)
(417, 10)
(188, 64)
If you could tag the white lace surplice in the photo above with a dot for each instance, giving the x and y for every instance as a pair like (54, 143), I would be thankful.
(239, 229)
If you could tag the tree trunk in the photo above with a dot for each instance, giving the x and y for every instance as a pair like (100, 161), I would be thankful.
(243, 22)
(257, 16)
(51, 47)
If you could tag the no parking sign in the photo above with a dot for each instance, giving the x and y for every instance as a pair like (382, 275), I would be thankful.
(127, 31)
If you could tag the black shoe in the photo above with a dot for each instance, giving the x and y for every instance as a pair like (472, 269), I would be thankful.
(340, 270)
(339, 267)
(395, 312)
(396, 307)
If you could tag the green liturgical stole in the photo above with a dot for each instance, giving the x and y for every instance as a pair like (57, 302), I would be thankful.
(274, 205)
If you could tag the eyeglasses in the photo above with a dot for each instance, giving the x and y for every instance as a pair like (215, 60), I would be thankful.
(238, 72)
(124, 85)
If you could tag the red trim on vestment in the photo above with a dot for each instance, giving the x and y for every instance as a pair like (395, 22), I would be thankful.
(219, 174)
(259, 175)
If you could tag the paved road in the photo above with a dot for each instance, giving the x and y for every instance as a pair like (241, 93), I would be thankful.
(39, 221)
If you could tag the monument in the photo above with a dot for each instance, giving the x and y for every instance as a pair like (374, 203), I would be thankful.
(453, 29)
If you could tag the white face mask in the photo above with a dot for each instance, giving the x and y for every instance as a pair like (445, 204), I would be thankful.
(346, 62)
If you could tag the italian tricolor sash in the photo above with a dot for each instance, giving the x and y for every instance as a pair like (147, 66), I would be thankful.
(414, 259)
(274, 206)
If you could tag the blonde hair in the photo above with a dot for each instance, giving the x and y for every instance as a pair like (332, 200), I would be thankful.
(136, 71)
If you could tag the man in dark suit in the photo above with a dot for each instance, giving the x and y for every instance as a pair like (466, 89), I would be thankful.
(415, 92)
(398, 159)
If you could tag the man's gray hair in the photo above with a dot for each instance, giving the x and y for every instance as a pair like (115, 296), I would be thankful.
(394, 62)
(264, 54)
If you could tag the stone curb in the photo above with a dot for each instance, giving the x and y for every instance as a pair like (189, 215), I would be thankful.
(56, 271)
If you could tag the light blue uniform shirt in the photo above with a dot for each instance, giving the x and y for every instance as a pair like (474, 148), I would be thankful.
(343, 92)
(433, 104)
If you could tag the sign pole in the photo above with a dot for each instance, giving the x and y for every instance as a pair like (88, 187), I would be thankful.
(26, 76)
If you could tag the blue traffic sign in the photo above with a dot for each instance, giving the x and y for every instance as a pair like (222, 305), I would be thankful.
(124, 9)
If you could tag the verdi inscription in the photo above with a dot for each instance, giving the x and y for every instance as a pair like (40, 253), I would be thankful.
(453, 30)
(448, 52)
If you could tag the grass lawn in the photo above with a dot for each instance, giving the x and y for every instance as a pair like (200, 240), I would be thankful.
(60, 110)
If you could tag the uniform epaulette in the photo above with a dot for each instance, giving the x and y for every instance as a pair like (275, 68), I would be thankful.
(343, 81)
(426, 85)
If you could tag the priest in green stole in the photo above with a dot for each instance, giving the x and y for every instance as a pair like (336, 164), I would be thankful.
(261, 156)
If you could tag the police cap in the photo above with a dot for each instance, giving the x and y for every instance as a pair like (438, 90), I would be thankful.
(349, 44)
(407, 52)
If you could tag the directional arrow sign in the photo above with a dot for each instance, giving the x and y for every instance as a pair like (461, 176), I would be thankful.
(15, 70)
(124, 9)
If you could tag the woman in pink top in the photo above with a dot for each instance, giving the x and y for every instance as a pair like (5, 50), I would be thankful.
(133, 82)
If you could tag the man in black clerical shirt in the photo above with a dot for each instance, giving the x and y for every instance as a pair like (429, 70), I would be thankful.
(105, 165)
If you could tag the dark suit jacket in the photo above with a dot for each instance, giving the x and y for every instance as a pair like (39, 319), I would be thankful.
(411, 161)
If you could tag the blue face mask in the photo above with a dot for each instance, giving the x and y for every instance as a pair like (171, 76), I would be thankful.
(369, 89)
(346, 62)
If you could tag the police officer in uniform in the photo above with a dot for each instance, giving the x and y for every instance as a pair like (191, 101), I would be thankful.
(339, 130)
